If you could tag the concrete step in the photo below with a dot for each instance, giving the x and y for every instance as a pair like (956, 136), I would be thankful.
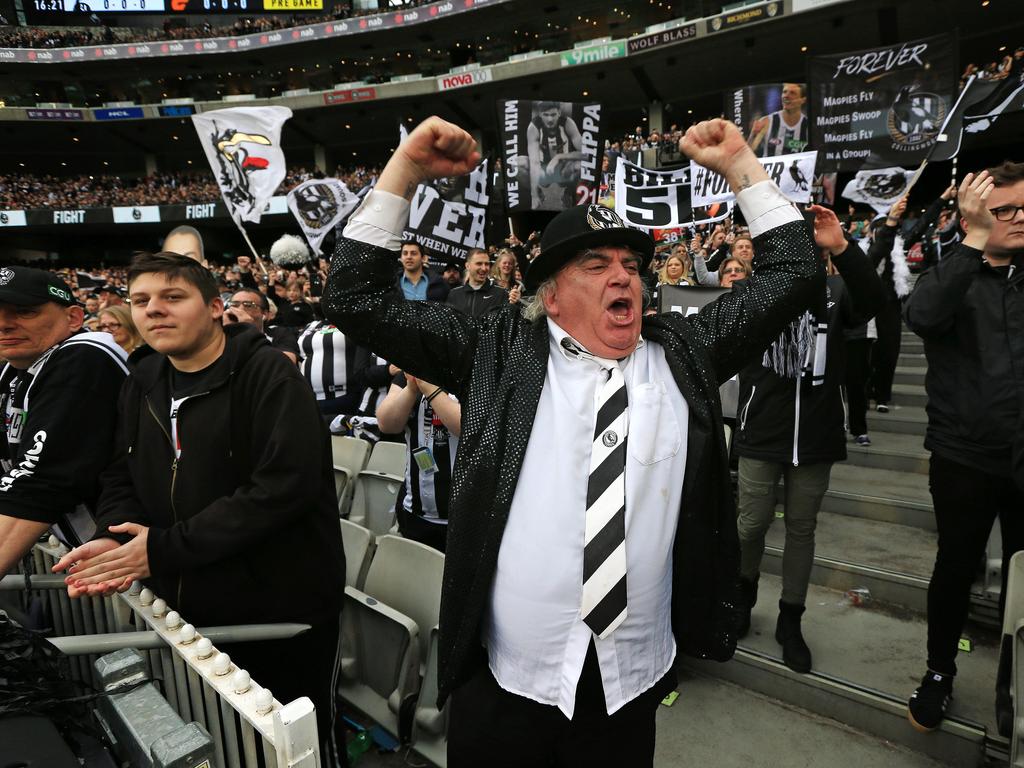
(906, 375)
(883, 495)
(910, 394)
(907, 420)
(910, 359)
(718, 723)
(890, 450)
(911, 342)
(867, 661)
(894, 562)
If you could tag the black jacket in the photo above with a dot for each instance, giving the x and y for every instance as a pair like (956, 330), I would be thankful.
(496, 365)
(61, 433)
(243, 527)
(478, 302)
(796, 421)
(971, 318)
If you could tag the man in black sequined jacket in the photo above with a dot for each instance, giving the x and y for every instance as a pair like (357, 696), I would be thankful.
(497, 366)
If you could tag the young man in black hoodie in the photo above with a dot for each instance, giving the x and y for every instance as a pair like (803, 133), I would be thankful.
(221, 483)
(791, 424)
(969, 309)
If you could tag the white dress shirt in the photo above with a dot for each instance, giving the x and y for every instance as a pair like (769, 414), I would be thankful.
(535, 639)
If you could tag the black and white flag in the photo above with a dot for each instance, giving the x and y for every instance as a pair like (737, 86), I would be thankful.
(879, 188)
(319, 205)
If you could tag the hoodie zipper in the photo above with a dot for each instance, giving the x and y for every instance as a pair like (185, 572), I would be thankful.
(846, 417)
(796, 422)
(174, 472)
(746, 408)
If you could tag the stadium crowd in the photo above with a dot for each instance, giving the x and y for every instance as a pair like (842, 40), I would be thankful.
(63, 37)
(28, 191)
(846, 274)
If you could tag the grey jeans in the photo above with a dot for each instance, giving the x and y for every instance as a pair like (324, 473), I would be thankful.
(805, 487)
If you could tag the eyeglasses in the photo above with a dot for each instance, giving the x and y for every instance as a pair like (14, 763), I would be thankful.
(734, 271)
(108, 326)
(1006, 212)
(244, 304)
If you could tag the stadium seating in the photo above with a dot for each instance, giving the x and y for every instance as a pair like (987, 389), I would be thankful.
(376, 488)
(349, 455)
(390, 624)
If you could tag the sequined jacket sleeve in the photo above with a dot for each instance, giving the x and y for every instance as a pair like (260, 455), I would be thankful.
(429, 340)
(787, 276)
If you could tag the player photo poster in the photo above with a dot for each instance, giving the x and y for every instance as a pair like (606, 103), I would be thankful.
(883, 106)
(773, 117)
(552, 154)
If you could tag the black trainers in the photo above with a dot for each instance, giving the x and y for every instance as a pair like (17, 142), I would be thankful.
(882, 407)
(930, 701)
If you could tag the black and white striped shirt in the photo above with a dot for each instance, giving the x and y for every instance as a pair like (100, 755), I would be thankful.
(326, 359)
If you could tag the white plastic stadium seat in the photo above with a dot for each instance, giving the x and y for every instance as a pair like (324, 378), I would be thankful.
(402, 593)
(430, 724)
(376, 488)
(349, 455)
(359, 546)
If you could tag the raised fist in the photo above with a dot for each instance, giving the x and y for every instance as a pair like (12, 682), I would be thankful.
(715, 144)
(437, 149)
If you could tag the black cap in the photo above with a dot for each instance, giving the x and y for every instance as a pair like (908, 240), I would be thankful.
(575, 229)
(27, 287)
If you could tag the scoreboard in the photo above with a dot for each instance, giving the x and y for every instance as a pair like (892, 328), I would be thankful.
(64, 11)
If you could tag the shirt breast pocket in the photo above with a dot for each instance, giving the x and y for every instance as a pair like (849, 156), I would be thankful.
(653, 427)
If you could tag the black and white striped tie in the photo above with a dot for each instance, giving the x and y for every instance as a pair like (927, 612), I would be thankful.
(604, 550)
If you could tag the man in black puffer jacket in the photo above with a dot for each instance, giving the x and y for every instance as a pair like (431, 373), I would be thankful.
(221, 482)
(969, 309)
(792, 424)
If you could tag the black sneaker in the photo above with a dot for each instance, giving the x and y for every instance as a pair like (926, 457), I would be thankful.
(930, 701)
(882, 407)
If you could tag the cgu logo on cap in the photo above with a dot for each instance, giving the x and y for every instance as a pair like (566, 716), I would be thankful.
(59, 293)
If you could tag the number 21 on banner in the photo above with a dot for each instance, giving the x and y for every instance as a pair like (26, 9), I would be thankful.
(585, 195)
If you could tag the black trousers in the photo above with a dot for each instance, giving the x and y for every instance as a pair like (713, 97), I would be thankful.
(858, 369)
(306, 665)
(414, 527)
(488, 726)
(966, 502)
(889, 323)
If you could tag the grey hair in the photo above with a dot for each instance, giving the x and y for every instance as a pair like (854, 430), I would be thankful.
(533, 306)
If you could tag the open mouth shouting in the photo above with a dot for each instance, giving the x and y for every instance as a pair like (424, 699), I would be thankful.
(620, 311)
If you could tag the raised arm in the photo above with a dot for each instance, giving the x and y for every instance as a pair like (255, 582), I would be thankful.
(739, 325)
(428, 339)
(932, 307)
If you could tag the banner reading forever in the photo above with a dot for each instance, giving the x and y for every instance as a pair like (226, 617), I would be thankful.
(449, 216)
(883, 106)
(552, 154)
(659, 199)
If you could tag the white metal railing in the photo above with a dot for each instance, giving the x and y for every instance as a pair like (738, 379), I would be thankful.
(200, 683)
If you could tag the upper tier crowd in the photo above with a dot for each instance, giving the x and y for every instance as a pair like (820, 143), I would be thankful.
(62, 37)
(29, 191)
